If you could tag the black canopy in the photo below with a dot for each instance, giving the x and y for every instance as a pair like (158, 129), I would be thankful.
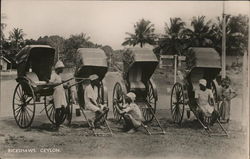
(91, 61)
(140, 57)
(39, 58)
(206, 61)
(203, 57)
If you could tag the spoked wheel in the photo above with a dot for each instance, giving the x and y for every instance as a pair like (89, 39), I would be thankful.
(24, 105)
(50, 109)
(214, 91)
(177, 103)
(151, 101)
(69, 108)
(188, 114)
(118, 100)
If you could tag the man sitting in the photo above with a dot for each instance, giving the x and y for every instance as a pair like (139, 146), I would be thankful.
(90, 98)
(131, 113)
(202, 96)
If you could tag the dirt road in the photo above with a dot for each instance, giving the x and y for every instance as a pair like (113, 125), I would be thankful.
(188, 141)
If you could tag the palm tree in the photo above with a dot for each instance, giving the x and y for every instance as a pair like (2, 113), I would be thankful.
(172, 41)
(17, 35)
(236, 34)
(144, 34)
(200, 34)
(3, 25)
(73, 43)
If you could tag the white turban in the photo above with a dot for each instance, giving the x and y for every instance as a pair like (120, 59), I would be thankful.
(59, 64)
(132, 96)
(203, 82)
(93, 77)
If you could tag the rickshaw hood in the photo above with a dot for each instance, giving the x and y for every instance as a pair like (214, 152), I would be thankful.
(203, 57)
(91, 57)
(38, 57)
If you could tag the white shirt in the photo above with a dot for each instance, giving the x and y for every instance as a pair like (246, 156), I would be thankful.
(59, 93)
(89, 93)
(203, 98)
(134, 111)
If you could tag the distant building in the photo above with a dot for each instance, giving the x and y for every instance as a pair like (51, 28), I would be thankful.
(5, 64)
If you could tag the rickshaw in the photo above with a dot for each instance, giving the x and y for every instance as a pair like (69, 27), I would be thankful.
(138, 66)
(34, 67)
(90, 61)
(202, 63)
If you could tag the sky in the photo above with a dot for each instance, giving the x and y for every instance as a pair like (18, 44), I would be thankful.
(106, 22)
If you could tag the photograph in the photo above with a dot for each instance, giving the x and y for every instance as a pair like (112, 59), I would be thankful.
(124, 79)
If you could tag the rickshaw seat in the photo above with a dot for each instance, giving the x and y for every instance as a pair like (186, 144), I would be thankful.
(32, 76)
(39, 87)
(135, 76)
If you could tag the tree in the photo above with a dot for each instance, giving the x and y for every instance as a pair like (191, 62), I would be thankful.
(173, 40)
(144, 34)
(3, 43)
(108, 50)
(73, 43)
(200, 34)
(77, 41)
(56, 42)
(3, 25)
(236, 34)
(43, 40)
(31, 42)
(16, 36)
(109, 53)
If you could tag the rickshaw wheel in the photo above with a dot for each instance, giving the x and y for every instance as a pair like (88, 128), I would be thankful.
(151, 100)
(188, 114)
(23, 105)
(69, 108)
(177, 103)
(214, 91)
(118, 100)
(50, 109)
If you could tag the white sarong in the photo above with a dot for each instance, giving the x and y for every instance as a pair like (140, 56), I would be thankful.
(59, 93)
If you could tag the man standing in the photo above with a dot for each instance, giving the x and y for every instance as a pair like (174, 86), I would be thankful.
(227, 94)
(59, 94)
